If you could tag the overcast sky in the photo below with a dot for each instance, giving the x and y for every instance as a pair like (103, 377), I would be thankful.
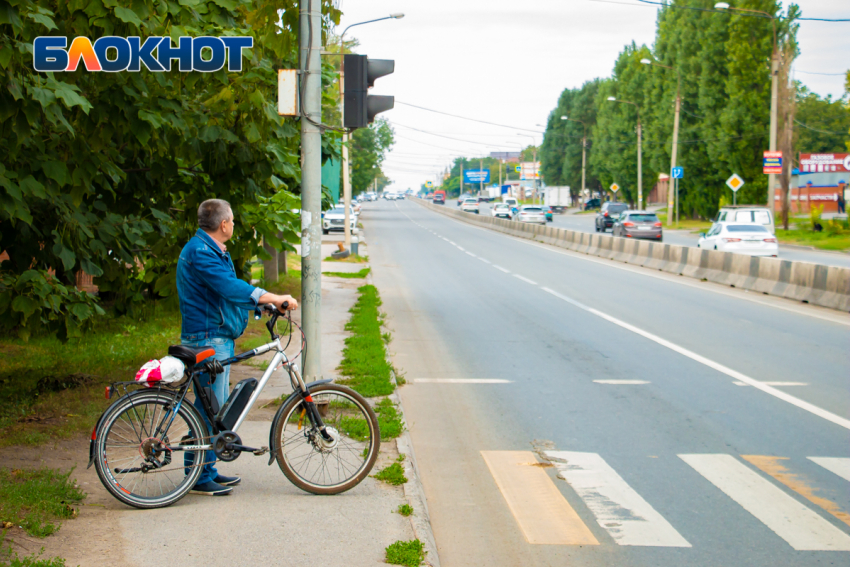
(507, 62)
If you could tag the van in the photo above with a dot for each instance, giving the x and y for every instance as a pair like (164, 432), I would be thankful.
(510, 201)
(747, 214)
(439, 197)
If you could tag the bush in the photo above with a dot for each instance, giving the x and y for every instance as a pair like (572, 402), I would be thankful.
(410, 553)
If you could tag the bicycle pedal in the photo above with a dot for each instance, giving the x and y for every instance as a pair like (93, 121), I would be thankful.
(261, 451)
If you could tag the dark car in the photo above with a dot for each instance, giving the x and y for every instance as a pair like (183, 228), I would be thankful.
(638, 224)
(591, 204)
(607, 214)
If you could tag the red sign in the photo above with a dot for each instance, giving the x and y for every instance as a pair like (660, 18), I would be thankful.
(815, 163)
(772, 162)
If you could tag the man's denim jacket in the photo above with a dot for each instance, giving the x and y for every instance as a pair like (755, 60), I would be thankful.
(214, 303)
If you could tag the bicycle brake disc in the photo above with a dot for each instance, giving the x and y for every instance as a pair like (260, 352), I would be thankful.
(220, 443)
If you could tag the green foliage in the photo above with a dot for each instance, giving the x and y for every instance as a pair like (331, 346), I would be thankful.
(368, 149)
(350, 275)
(389, 420)
(823, 124)
(103, 172)
(12, 559)
(35, 499)
(410, 553)
(393, 474)
(405, 510)
(364, 358)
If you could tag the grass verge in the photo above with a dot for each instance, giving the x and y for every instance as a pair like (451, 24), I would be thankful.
(36, 499)
(364, 358)
(12, 559)
(823, 240)
(694, 225)
(410, 553)
(352, 259)
(361, 274)
(389, 420)
(51, 390)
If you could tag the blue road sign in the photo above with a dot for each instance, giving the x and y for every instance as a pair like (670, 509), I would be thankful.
(678, 173)
(476, 176)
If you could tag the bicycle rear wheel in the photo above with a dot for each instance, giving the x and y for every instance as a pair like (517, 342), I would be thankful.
(134, 449)
(319, 466)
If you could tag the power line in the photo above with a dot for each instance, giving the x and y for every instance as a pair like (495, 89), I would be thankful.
(821, 131)
(466, 118)
(826, 74)
(448, 137)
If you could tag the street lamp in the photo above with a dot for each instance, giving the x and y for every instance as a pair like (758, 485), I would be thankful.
(639, 157)
(534, 159)
(583, 147)
(346, 175)
(774, 96)
(673, 154)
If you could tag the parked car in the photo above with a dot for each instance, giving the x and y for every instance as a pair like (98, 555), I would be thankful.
(334, 219)
(439, 197)
(531, 213)
(591, 204)
(547, 211)
(638, 224)
(470, 206)
(608, 214)
(501, 210)
(747, 214)
(751, 239)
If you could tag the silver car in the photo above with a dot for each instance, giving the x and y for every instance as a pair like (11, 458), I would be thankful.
(531, 213)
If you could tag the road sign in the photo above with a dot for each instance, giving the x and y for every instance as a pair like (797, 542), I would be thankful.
(735, 182)
(476, 176)
(677, 173)
(772, 162)
(518, 168)
(429, 184)
(615, 187)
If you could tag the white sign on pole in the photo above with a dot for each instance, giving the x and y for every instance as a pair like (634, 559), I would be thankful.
(614, 187)
(735, 182)
(287, 92)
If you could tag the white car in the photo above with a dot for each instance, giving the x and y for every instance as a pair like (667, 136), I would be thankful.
(531, 213)
(751, 239)
(334, 219)
(501, 210)
(470, 206)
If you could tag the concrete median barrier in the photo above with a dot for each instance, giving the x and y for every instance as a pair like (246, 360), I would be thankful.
(826, 286)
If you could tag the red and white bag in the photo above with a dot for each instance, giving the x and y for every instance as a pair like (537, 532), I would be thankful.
(166, 370)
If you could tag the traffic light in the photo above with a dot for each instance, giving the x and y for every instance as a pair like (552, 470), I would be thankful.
(360, 107)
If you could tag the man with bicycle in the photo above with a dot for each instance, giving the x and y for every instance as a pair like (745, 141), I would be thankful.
(214, 305)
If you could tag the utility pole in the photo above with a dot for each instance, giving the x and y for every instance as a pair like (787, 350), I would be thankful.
(310, 27)
(672, 195)
(481, 177)
(640, 172)
(461, 179)
(774, 99)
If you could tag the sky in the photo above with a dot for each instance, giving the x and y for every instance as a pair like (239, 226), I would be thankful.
(508, 62)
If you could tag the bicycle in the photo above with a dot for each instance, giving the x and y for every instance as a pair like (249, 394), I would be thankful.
(324, 436)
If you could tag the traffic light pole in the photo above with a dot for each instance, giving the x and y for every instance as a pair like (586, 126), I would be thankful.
(310, 44)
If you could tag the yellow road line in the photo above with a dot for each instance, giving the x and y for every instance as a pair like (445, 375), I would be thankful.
(796, 482)
(542, 512)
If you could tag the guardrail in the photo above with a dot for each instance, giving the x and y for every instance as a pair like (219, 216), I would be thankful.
(826, 286)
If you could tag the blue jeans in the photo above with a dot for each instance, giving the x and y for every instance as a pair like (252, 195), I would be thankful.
(221, 389)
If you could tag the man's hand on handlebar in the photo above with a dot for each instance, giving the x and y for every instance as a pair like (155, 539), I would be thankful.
(279, 300)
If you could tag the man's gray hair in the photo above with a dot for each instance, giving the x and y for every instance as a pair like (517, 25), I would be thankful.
(211, 213)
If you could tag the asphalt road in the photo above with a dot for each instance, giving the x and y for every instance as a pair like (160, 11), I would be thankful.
(585, 223)
(675, 422)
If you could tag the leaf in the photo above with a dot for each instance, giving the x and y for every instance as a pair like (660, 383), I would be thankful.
(67, 256)
(252, 133)
(24, 304)
(57, 171)
(43, 20)
(81, 311)
(226, 4)
(71, 98)
(30, 186)
(128, 16)
(91, 268)
(159, 215)
(5, 57)
(151, 118)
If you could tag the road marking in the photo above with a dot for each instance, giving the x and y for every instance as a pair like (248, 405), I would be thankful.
(526, 280)
(501, 268)
(775, 383)
(618, 509)
(484, 260)
(835, 465)
(450, 242)
(542, 512)
(799, 526)
(471, 254)
(461, 381)
(784, 396)
(796, 482)
(461, 249)
(623, 382)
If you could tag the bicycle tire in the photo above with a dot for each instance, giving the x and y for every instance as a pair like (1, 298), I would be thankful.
(346, 420)
(131, 410)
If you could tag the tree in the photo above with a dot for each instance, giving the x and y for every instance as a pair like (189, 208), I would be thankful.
(103, 172)
(822, 124)
(369, 148)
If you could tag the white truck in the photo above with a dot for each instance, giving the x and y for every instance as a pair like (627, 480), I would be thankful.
(558, 198)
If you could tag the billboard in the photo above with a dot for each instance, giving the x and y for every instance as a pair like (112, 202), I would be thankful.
(507, 156)
(529, 170)
(476, 176)
(816, 163)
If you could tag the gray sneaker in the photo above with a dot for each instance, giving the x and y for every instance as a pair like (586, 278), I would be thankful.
(210, 488)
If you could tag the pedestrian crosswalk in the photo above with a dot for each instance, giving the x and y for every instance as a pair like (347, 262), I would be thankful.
(762, 486)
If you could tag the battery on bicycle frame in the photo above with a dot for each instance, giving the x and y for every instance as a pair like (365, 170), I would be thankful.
(235, 403)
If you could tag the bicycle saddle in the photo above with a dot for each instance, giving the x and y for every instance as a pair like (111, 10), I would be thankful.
(190, 355)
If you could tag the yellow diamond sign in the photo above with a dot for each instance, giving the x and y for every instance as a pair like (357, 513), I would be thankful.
(615, 187)
(735, 182)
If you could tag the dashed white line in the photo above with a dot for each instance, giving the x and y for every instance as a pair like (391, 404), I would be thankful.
(471, 254)
(775, 383)
(501, 268)
(622, 382)
(784, 396)
(486, 261)
(461, 248)
(526, 280)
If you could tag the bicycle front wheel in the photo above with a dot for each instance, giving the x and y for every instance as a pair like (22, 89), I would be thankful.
(315, 464)
(139, 449)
